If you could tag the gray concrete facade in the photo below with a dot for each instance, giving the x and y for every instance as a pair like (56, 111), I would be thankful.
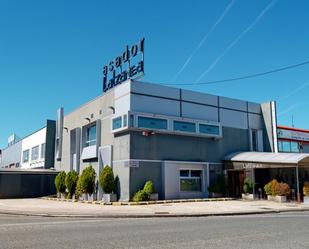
(139, 154)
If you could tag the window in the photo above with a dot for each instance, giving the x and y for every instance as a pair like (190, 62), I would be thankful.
(209, 129)
(184, 126)
(152, 123)
(25, 156)
(35, 153)
(131, 121)
(294, 147)
(117, 123)
(43, 150)
(286, 146)
(91, 135)
(125, 120)
(254, 140)
(191, 180)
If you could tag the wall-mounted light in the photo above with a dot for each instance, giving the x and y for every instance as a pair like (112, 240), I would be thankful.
(66, 128)
(112, 108)
(88, 119)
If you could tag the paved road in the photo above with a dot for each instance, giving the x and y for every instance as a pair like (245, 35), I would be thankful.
(286, 230)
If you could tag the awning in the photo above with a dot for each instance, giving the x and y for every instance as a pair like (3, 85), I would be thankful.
(267, 159)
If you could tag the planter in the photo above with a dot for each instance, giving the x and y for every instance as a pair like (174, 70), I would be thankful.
(276, 198)
(91, 197)
(306, 200)
(215, 195)
(248, 197)
(62, 196)
(154, 197)
(109, 197)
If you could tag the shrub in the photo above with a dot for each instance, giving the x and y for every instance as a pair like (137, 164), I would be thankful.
(306, 188)
(275, 188)
(284, 189)
(60, 182)
(107, 180)
(248, 186)
(70, 182)
(86, 183)
(141, 195)
(149, 187)
(267, 188)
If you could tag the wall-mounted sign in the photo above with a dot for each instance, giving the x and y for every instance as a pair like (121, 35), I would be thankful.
(293, 135)
(128, 65)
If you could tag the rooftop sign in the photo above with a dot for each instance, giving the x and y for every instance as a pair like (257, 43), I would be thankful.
(128, 65)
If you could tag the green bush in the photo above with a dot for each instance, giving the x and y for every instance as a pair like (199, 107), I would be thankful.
(149, 187)
(107, 180)
(60, 182)
(141, 195)
(275, 188)
(248, 186)
(86, 182)
(70, 182)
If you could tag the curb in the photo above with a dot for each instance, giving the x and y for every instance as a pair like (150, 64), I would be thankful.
(141, 202)
(155, 215)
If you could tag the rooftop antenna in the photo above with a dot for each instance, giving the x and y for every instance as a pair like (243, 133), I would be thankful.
(292, 121)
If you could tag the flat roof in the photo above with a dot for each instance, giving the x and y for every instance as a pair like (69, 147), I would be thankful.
(269, 158)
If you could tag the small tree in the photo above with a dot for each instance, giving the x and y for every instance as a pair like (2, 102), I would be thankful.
(149, 187)
(86, 183)
(107, 180)
(60, 182)
(71, 182)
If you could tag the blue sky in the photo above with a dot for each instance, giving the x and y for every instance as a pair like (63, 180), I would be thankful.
(48, 48)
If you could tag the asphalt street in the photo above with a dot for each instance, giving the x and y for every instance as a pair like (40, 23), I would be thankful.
(285, 230)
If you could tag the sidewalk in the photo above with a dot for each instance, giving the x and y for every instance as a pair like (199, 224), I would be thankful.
(75, 209)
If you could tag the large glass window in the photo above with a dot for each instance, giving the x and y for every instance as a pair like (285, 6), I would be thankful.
(191, 180)
(184, 126)
(25, 156)
(286, 146)
(152, 123)
(91, 135)
(117, 123)
(43, 150)
(209, 129)
(35, 153)
(294, 147)
(254, 140)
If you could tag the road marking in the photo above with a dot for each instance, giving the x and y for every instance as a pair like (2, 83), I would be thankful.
(61, 222)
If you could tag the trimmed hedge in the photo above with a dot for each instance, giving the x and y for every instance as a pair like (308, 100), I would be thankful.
(60, 182)
(86, 182)
(71, 182)
(107, 180)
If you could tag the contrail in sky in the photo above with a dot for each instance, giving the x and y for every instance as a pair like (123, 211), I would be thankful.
(226, 10)
(227, 49)
(301, 87)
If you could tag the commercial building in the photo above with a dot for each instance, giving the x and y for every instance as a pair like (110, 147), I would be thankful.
(292, 139)
(11, 155)
(176, 138)
(35, 151)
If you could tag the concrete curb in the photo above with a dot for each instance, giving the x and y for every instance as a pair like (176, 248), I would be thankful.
(155, 215)
(141, 202)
